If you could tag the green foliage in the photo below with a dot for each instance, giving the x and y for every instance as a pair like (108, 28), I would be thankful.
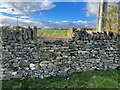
(87, 79)
(111, 19)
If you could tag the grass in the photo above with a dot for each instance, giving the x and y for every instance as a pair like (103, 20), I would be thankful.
(87, 79)
(52, 33)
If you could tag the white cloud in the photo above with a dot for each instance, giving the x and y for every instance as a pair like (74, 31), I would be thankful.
(64, 21)
(24, 17)
(6, 20)
(25, 8)
(1, 25)
(46, 4)
(83, 23)
(92, 8)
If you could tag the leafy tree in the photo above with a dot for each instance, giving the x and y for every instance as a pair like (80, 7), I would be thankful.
(110, 18)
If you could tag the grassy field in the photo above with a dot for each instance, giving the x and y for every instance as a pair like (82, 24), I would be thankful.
(89, 79)
(52, 33)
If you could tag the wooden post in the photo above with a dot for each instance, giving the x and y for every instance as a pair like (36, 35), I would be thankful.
(100, 16)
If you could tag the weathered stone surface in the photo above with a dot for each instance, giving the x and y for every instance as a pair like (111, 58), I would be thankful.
(44, 63)
(21, 54)
(32, 66)
(15, 64)
(24, 63)
(14, 73)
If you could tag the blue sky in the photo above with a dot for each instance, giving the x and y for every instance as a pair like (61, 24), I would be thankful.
(69, 11)
(50, 14)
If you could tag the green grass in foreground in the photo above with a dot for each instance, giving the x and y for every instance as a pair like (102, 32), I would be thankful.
(52, 33)
(88, 79)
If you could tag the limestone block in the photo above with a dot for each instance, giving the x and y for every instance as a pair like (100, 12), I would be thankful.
(44, 63)
(32, 66)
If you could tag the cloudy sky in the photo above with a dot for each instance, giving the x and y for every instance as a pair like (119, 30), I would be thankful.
(49, 14)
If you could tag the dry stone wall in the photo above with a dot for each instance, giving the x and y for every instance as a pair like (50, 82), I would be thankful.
(35, 59)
